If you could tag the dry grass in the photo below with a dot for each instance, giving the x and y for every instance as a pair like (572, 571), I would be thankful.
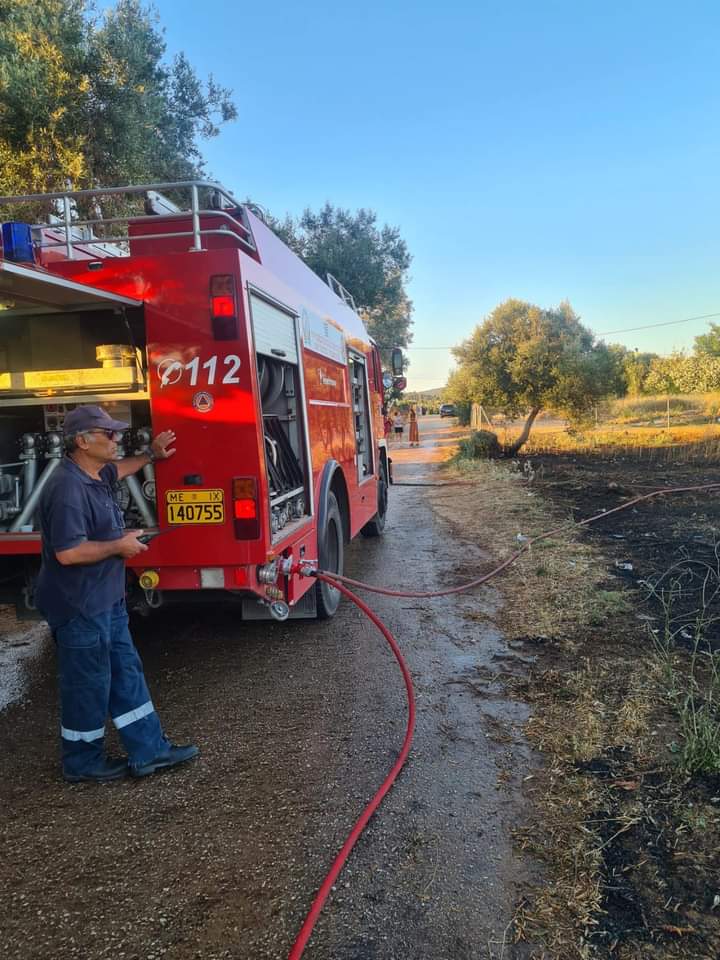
(655, 445)
(556, 598)
(558, 587)
(580, 718)
(691, 407)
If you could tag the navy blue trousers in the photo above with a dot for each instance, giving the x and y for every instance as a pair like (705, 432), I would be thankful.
(101, 673)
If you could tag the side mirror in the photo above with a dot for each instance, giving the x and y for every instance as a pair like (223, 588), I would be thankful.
(396, 362)
(387, 380)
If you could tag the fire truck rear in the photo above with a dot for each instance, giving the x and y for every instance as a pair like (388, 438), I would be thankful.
(189, 314)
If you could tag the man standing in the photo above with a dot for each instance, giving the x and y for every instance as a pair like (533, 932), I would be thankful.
(81, 593)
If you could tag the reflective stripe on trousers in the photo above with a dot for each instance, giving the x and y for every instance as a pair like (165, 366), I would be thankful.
(100, 672)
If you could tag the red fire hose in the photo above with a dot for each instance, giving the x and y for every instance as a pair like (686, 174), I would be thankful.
(338, 581)
(322, 894)
(337, 578)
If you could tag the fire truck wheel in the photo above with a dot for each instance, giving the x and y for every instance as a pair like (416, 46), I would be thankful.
(375, 527)
(331, 549)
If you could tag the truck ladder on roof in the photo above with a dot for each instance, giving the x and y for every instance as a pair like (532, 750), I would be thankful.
(340, 290)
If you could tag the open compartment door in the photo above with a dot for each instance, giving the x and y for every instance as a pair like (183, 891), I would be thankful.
(61, 344)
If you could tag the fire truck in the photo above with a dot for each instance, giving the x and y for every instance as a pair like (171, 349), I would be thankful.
(181, 309)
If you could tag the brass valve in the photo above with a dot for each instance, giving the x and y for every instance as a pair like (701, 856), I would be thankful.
(149, 579)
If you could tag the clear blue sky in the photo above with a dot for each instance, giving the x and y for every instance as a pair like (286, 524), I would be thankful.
(541, 150)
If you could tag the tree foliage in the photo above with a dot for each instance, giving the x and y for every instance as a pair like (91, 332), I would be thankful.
(636, 367)
(371, 262)
(523, 359)
(709, 343)
(680, 373)
(94, 101)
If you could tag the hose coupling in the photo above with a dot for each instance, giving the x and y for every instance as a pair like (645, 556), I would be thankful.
(303, 568)
(268, 572)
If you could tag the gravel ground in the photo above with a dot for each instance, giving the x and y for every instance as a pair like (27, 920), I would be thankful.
(298, 724)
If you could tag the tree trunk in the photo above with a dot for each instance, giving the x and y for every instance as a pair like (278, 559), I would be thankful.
(522, 439)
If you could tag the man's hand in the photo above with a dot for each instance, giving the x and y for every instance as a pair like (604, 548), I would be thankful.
(162, 445)
(93, 551)
(160, 449)
(128, 546)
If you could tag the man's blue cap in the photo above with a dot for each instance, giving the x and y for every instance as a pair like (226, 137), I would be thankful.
(90, 417)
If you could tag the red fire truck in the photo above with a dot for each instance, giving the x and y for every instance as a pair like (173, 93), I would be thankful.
(181, 309)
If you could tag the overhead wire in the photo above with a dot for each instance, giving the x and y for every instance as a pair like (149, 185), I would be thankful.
(610, 333)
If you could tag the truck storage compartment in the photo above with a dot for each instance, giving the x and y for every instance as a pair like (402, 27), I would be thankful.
(284, 429)
(50, 361)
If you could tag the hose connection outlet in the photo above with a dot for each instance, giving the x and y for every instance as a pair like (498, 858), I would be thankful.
(274, 593)
(268, 572)
(304, 568)
(149, 579)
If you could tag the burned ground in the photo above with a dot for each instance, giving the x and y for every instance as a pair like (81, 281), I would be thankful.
(655, 824)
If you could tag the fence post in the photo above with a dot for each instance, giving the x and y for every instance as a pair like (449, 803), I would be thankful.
(668, 411)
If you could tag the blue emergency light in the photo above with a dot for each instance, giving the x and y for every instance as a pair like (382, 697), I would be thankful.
(17, 242)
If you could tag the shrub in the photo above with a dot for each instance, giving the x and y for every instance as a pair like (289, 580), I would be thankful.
(480, 445)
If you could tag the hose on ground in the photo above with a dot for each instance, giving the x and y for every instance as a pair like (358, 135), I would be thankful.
(337, 578)
(339, 583)
(327, 884)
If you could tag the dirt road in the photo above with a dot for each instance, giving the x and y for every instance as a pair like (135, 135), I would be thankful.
(298, 724)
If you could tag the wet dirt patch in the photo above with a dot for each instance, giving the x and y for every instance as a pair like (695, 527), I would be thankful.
(298, 724)
(21, 642)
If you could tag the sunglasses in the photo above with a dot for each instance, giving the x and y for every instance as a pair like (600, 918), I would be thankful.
(110, 434)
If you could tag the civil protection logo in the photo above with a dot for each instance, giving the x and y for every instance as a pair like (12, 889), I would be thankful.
(203, 401)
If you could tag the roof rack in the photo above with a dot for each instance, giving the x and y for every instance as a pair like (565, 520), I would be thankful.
(65, 228)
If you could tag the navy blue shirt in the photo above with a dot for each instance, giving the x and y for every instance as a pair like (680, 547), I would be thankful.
(74, 508)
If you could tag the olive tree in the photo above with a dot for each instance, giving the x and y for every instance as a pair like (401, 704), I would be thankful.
(371, 261)
(523, 359)
(94, 99)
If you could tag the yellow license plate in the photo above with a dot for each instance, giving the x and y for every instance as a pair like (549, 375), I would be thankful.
(195, 506)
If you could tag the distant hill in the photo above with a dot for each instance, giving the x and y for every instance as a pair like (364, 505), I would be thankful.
(433, 394)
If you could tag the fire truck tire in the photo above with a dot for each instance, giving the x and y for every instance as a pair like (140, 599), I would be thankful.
(331, 548)
(376, 526)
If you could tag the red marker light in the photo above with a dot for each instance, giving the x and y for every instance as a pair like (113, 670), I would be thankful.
(223, 307)
(245, 509)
